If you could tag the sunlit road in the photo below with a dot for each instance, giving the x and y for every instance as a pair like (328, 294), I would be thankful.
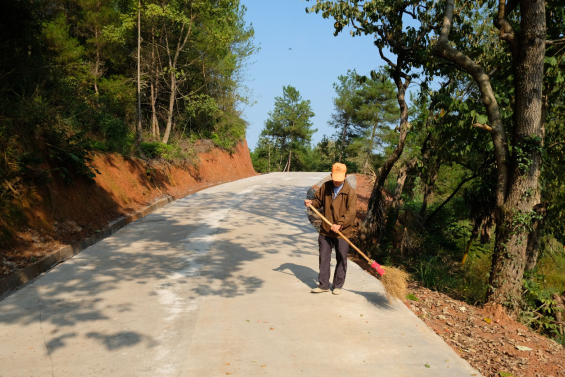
(215, 284)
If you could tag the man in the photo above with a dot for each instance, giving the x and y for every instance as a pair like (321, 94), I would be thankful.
(339, 201)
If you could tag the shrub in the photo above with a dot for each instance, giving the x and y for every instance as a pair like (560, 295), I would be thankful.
(156, 149)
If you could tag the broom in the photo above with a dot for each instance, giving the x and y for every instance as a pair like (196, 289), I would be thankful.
(393, 279)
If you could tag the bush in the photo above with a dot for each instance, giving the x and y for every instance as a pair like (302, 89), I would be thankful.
(157, 149)
(117, 135)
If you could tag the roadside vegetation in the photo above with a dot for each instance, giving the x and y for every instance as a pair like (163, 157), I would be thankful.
(139, 78)
(468, 170)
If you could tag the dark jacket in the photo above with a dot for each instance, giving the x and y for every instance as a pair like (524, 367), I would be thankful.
(341, 210)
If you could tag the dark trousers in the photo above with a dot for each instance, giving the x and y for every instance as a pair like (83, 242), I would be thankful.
(341, 250)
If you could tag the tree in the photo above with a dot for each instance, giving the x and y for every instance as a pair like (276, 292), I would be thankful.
(384, 20)
(346, 105)
(289, 124)
(518, 192)
(377, 111)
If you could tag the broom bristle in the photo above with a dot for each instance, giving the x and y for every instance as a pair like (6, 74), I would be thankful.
(395, 282)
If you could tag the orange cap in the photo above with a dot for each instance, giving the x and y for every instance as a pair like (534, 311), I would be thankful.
(338, 172)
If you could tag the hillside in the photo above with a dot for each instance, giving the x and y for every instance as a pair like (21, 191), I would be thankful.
(56, 214)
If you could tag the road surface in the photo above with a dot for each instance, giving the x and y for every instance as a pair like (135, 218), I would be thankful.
(215, 284)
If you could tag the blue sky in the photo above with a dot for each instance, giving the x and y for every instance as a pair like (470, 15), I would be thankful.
(312, 65)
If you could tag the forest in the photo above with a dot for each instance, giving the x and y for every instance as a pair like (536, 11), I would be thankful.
(138, 78)
(462, 133)
(461, 129)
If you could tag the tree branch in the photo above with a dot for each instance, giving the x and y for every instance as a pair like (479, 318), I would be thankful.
(556, 41)
(555, 144)
(445, 50)
(507, 32)
(483, 127)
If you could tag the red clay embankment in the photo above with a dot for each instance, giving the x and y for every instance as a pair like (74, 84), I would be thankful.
(59, 214)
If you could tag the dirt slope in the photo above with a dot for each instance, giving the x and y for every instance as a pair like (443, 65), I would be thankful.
(492, 346)
(58, 214)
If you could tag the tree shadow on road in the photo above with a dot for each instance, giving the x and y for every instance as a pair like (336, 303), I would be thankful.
(159, 257)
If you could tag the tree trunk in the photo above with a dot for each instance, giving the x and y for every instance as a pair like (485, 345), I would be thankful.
(343, 135)
(516, 216)
(269, 157)
(154, 120)
(289, 154)
(154, 90)
(97, 45)
(97, 63)
(474, 235)
(138, 73)
(181, 42)
(172, 98)
(429, 184)
(517, 178)
(532, 248)
(372, 227)
(400, 180)
(444, 50)
(370, 149)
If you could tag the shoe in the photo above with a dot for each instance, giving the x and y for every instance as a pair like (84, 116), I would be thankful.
(319, 290)
(336, 291)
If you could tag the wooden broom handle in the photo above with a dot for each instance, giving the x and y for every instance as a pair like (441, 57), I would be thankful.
(338, 232)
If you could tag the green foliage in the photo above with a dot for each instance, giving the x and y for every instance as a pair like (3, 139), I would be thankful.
(156, 149)
(288, 131)
(71, 153)
(68, 85)
(539, 308)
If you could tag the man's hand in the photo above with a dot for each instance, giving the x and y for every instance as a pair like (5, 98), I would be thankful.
(335, 228)
(307, 202)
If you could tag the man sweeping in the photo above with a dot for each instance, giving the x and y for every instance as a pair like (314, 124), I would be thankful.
(339, 202)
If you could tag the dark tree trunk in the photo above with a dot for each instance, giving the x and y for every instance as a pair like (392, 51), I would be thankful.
(516, 216)
(532, 248)
(397, 196)
(372, 227)
(138, 73)
(429, 183)
(517, 184)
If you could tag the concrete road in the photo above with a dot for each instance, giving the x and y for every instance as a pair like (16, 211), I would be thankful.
(215, 284)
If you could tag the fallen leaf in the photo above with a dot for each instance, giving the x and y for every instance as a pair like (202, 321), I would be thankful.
(247, 320)
(361, 315)
(505, 374)
(228, 373)
(263, 366)
(427, 365)
(272, 328)
(487, 320)
(227, 363)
